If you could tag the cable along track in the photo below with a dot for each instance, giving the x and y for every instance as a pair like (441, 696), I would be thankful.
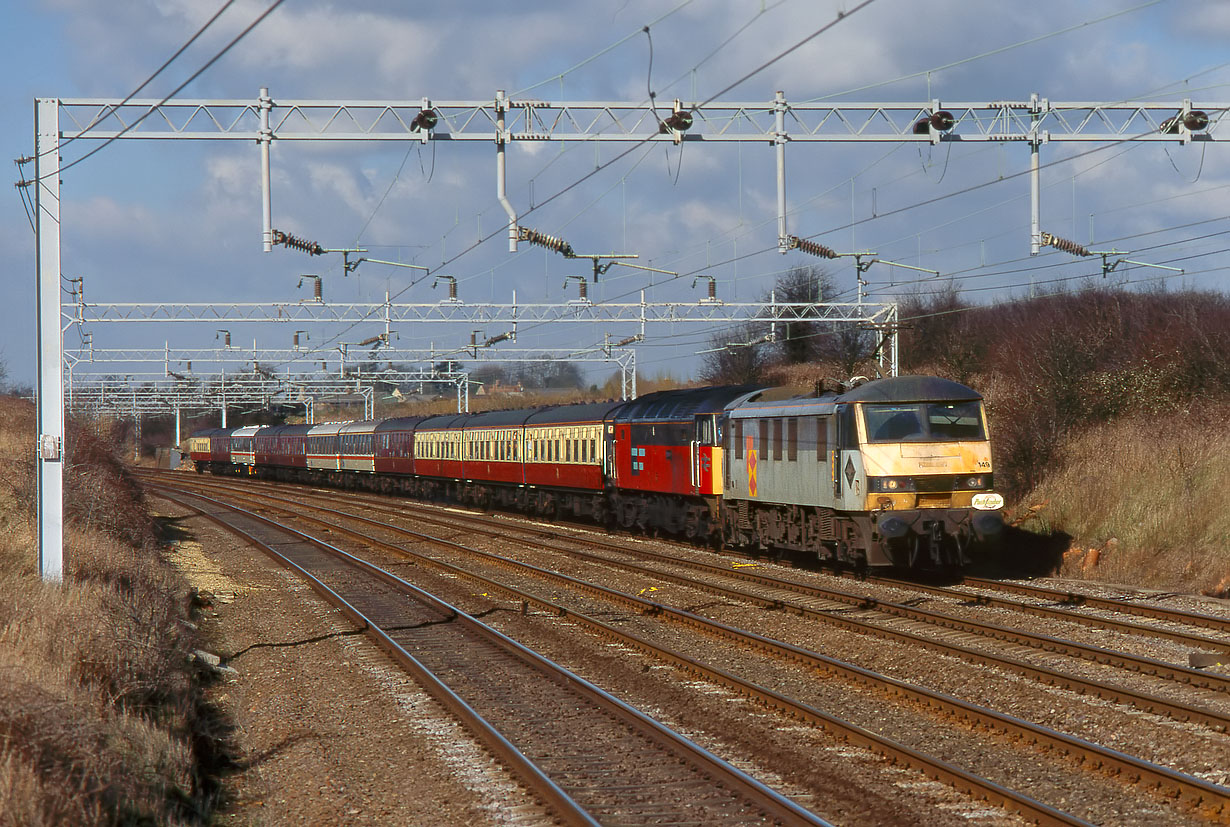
(1201, 795)
(593, 758)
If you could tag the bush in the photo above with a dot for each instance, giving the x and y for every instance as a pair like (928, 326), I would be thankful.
(1053, 366)
(100, 708)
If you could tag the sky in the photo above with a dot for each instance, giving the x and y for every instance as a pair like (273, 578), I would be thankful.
(181, 220)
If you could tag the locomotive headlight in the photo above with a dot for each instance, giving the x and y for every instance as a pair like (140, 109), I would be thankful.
(885, 484)
(974, 482)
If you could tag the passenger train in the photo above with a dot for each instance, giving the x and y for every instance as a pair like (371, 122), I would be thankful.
(891, 472)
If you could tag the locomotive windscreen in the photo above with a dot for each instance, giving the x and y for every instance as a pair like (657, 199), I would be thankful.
(924, 422)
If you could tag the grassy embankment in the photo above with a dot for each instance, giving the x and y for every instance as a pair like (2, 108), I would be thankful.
(1145, 503)
(101, 715)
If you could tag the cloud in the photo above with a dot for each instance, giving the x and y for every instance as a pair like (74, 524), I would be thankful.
(188, 216)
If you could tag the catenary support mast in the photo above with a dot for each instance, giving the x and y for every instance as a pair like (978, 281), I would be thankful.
(50, 341)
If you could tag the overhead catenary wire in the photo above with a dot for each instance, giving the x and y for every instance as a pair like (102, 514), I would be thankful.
(630, 36)
(570, 219)
(621, 155)
(218, 56)
(983, 55)
(115, 107)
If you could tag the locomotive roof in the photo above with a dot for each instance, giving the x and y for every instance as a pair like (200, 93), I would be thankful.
(680, 404)
(911, 389)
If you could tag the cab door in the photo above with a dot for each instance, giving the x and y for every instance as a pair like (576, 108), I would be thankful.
(849, 480)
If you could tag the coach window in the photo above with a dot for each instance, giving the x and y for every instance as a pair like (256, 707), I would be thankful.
(792, 439)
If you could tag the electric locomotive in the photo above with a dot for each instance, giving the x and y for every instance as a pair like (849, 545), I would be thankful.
(894, 472)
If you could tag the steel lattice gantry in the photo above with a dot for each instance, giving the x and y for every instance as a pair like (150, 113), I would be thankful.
(151, 394)
(502, 121)
(86, 363)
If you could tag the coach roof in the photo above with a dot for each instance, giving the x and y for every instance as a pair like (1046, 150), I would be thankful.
(680, 404)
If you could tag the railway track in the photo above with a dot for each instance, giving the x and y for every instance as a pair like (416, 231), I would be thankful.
(820, 603)
(1060, 605)
(591, 757)
(1201, 795)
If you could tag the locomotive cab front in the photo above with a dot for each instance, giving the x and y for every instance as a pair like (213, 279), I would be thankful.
(928, 479)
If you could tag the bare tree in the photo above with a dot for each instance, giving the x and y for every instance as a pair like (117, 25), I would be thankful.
(549, 374)
(739, 356)
(796, 340)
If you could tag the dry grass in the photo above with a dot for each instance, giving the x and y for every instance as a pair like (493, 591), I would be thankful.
(99, 706)
(1144, 499)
